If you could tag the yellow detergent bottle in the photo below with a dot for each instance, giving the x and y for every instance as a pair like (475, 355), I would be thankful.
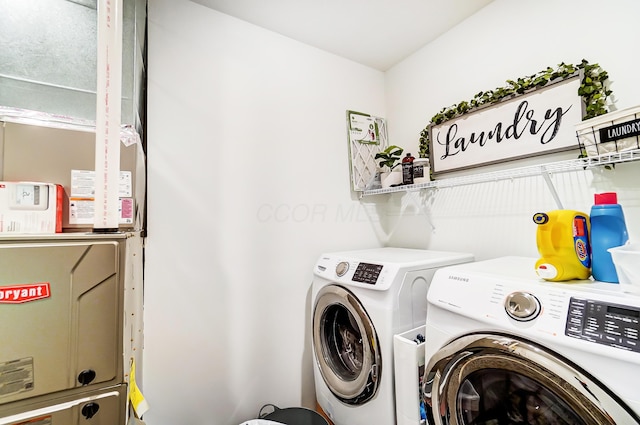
(563, 244)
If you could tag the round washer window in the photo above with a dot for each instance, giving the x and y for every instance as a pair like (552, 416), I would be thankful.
(498, 396)
(500, 379)
(345, 345)
(343, 340)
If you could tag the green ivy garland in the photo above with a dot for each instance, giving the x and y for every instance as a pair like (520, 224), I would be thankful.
(592, 89)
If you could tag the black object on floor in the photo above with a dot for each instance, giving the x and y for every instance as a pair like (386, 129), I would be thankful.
(293, 416)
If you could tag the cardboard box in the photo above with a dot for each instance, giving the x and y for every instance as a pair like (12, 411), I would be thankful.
(63, 155)
(30, 207)
(616, 131)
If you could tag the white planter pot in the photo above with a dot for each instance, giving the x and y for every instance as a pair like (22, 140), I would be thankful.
(387, 179)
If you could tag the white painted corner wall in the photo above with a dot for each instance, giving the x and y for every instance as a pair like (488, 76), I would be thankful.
(247, 185)
(248, 182)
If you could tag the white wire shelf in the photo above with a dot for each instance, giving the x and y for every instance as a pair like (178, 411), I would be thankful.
(513, 173)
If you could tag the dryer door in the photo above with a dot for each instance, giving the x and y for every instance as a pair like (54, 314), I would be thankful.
(346, 345)
(500, 379)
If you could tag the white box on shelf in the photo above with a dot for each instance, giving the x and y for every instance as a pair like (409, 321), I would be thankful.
(408, 355)
(30, 208)
(616, 131)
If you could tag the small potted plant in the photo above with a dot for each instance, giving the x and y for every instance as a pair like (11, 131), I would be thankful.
(389, 160)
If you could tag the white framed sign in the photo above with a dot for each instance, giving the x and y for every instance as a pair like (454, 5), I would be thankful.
(539, 122)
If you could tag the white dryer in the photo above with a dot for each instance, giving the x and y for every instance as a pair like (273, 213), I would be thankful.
(505, 347)
(360, 300)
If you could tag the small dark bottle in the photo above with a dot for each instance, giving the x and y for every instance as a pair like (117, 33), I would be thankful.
(407, 169)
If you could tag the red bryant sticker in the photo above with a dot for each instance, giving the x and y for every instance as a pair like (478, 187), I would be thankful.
(18, 294)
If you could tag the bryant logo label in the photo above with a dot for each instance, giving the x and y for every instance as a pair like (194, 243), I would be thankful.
(18, 294)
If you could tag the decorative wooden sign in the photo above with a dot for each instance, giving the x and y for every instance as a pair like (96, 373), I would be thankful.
(538, 122)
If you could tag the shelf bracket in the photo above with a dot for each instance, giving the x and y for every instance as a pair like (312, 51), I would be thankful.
(552, 189)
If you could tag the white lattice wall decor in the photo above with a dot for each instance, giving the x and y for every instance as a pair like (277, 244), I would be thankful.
(367, 136)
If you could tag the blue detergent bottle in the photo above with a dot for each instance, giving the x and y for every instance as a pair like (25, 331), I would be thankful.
(608, 230)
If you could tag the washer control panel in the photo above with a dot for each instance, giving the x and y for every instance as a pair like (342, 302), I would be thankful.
(375, 275)
(367, 273)
(609, 324)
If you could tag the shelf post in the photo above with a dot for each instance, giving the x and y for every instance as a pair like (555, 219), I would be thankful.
(552, 189)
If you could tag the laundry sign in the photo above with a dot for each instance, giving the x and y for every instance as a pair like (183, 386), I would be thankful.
(18, 294)
(540, 122)
(620, 131)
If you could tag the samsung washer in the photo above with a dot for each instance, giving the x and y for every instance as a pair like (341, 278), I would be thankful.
(360, 300)
(505, 347)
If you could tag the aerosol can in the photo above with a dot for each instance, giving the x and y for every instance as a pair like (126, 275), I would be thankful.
(563, 243)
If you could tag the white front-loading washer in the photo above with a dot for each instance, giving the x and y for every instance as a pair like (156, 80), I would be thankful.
(360, 300)
(505, 347)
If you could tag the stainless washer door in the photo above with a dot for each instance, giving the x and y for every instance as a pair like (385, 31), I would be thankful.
(499, 379)
(346, 345)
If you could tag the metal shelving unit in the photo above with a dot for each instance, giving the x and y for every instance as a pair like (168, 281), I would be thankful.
(543, 170)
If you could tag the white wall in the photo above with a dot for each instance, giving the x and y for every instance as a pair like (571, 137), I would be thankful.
(248, 184)
(507, 40)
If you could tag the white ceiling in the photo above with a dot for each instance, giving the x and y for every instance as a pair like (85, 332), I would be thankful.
(375, 33)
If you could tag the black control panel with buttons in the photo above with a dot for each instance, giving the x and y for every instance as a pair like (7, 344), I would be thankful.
(603, 323)
(367, 273)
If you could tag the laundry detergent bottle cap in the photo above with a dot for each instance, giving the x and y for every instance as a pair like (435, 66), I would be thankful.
(563, 243)
(608, 230)
(605, 198)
